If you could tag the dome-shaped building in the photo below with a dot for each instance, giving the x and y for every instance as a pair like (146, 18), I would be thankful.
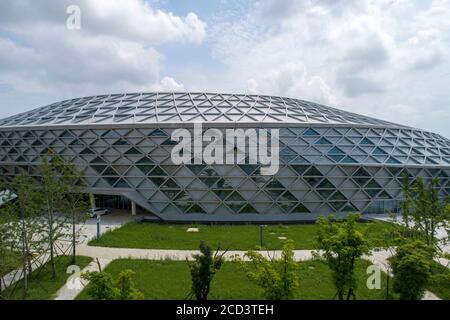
(331, 161)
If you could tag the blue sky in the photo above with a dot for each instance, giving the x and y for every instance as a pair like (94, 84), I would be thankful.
(386, 58)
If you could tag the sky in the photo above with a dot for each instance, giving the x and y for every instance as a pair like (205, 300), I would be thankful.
(387, 59)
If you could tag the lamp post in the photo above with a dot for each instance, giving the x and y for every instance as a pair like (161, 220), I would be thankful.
(98, 226)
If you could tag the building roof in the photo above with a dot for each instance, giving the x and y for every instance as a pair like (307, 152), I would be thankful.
(186, 107)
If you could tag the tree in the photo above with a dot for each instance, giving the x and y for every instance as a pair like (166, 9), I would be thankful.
(103, 287)
(411, 266)
(8, 256)
(74, 201)
(426, 208)
(277, 277)
(53, 191)
(406, 204)
(100, 285)
(124, 287)
(23, 229)
(203, 270)
(341, 245)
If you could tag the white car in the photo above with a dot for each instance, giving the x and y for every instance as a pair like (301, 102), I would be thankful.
(95, 212)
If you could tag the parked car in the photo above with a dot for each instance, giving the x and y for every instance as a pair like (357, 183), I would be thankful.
(94, 212)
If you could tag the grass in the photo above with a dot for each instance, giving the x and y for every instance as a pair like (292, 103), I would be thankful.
(232, 237)
(14, 262)
(41, 286)
(167, 279)
(440, 281)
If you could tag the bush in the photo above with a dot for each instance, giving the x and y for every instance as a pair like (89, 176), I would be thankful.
(411, 266)
(277, 277)
(102, 286)
(203, 269)
(341, 245)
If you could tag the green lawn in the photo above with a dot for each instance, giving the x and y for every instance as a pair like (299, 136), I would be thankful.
(440, 281)
(233, 237)
(171, 280)
(14, 262)
(41, 285)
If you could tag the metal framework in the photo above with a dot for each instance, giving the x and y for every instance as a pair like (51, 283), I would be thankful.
(331, 160)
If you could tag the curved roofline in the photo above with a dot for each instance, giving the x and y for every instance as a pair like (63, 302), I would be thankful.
(294, 109)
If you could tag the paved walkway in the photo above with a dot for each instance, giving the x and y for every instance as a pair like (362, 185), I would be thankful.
(105, 255)
(75, 284)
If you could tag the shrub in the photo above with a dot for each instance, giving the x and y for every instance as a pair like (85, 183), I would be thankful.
(203, 269)
(277, 277)
(341, 245)
(102, 286)
(411, 266)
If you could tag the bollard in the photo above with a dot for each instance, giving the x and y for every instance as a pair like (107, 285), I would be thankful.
(98, 227)
(261, 237)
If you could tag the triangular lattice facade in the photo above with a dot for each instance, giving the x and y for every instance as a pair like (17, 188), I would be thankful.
(331, 160)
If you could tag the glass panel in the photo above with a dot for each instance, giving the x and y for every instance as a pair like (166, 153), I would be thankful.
(248, 209)
(169, 184)
(208, 172)
(110, 172)
(287, 196)
(158, 172)
(336, 157)
(98, 168)
(121, 184)
(274, 184)
(183, 196)
(111, 134)
(366, 141)
(145, 168)
(170, 193)
(209, 181)
(274, 194)
(311, 132)
(195, 209)
(223, 194)
(393, 160)
(133, 151)
(197, 168)
(348, 159)
(300, 169)
(120, 142)
(323, 141)
(325, 184)
(87, 151)
(338, 196)
(169, 142)
(336, 150)
(235, 197)
(235, 206)
(313, 172)
(158, 133)
(145, 160)
(249, 169)
(313, 181)
(379, 151)
(300, 208)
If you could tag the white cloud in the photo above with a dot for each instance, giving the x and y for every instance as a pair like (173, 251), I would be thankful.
(115, 49)
(365, 56)
(168, 84)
